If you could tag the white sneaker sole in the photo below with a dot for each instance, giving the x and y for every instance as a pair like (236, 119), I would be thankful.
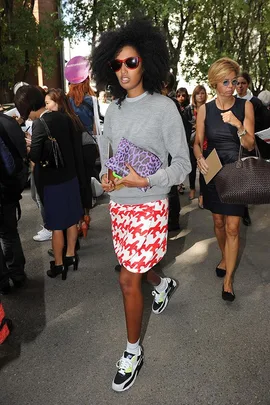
(41, 240)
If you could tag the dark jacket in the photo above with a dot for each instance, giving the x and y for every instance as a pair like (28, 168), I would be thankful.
(61, 129)
(11, 186)
(70, 142)
(262, 121)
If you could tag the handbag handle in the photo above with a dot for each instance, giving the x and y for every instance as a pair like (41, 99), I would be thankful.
(239, 161)
(48, 132)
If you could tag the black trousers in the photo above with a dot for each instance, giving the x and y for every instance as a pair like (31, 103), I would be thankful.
(174, 205)
(192, 174)
(13, 257)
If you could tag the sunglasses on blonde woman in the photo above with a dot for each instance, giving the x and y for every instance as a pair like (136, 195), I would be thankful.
(131, 63)
(227, 82)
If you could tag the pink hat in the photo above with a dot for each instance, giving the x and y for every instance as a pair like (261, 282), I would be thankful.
(77, 70)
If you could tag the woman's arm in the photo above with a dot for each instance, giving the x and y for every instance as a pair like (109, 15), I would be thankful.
(248, 140)
(38, 137)
(245, 131)
(198, 143)
(175, 142)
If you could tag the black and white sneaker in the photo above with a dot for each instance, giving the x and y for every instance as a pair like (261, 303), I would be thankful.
(161, 299)
(128, 368)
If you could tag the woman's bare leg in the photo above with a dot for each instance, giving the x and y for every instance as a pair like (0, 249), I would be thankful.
(58, 246)
(231, 249)
(219, 228)
(131, 286)
(72, 235)
(153, 278)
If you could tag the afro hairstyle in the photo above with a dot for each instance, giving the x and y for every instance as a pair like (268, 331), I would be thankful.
(149, 43)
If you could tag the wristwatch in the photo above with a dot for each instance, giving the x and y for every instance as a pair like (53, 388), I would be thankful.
(243, 133)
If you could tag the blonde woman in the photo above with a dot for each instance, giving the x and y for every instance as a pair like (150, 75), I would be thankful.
(226, 122)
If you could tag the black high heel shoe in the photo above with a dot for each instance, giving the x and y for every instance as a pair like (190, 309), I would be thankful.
(71, 261)
(227, 296)
(56, 270)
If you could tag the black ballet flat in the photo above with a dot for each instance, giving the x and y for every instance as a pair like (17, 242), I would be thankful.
(227, 296)
(220, 272)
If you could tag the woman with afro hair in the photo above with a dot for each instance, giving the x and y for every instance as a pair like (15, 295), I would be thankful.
(134, 61)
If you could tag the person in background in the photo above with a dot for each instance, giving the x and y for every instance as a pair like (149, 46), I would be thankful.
(264, 147)
(199, 97)
(13, 177)
(226, 122)
(56, 100)
(58, 188)
(243, 92)
(137, 69)
(264, 96)
(174, 202)
(84, 103)
(103, 103)
(183, 99)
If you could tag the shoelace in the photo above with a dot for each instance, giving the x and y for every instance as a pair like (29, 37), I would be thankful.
(159, 297)
(123, 365)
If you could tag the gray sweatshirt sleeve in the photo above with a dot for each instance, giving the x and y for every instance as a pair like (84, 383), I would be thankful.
(174, 137)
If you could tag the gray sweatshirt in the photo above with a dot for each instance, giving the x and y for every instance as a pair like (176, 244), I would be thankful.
(151, 122)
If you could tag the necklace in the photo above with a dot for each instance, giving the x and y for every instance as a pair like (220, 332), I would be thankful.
(225, 105)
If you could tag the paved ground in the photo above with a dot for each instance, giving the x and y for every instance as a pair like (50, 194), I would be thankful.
(200, 351)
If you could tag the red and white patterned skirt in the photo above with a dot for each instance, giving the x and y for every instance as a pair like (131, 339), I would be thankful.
(139, 234)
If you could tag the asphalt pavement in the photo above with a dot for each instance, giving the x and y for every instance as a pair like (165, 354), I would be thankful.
(201, 350)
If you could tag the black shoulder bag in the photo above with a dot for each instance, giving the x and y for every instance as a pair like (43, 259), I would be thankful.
(52, 156)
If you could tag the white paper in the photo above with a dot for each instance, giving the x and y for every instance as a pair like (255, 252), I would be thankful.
(264, 135)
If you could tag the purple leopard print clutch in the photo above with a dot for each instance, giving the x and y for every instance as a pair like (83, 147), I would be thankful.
(143, 162)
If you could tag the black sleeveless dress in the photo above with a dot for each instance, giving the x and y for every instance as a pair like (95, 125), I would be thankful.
(224, 138)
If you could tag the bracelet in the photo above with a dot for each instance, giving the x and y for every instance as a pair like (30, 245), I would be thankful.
(149, 183)
(243, 133)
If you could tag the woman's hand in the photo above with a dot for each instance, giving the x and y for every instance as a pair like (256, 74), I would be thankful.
(28, 139)
(202, 165)
(230, 118)
(106, 184)
(133, 179)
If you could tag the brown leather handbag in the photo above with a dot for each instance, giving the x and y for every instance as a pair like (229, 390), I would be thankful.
(246, 181)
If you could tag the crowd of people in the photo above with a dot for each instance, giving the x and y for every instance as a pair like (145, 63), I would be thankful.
(66, 141)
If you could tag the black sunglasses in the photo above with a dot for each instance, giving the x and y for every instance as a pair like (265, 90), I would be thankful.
(131, 63)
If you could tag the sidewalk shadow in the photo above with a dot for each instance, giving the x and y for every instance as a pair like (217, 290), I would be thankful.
(26, 306)
(176, 244)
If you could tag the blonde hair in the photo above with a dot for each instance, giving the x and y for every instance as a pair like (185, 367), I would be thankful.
(220, 69)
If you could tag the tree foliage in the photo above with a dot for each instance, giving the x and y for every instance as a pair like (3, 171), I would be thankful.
(239, 29)
(197, 32)
(90, 17)
(23, 42)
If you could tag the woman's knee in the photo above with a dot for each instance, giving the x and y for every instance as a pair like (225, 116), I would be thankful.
(128, 282)
(232, 228)
(219, 223)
